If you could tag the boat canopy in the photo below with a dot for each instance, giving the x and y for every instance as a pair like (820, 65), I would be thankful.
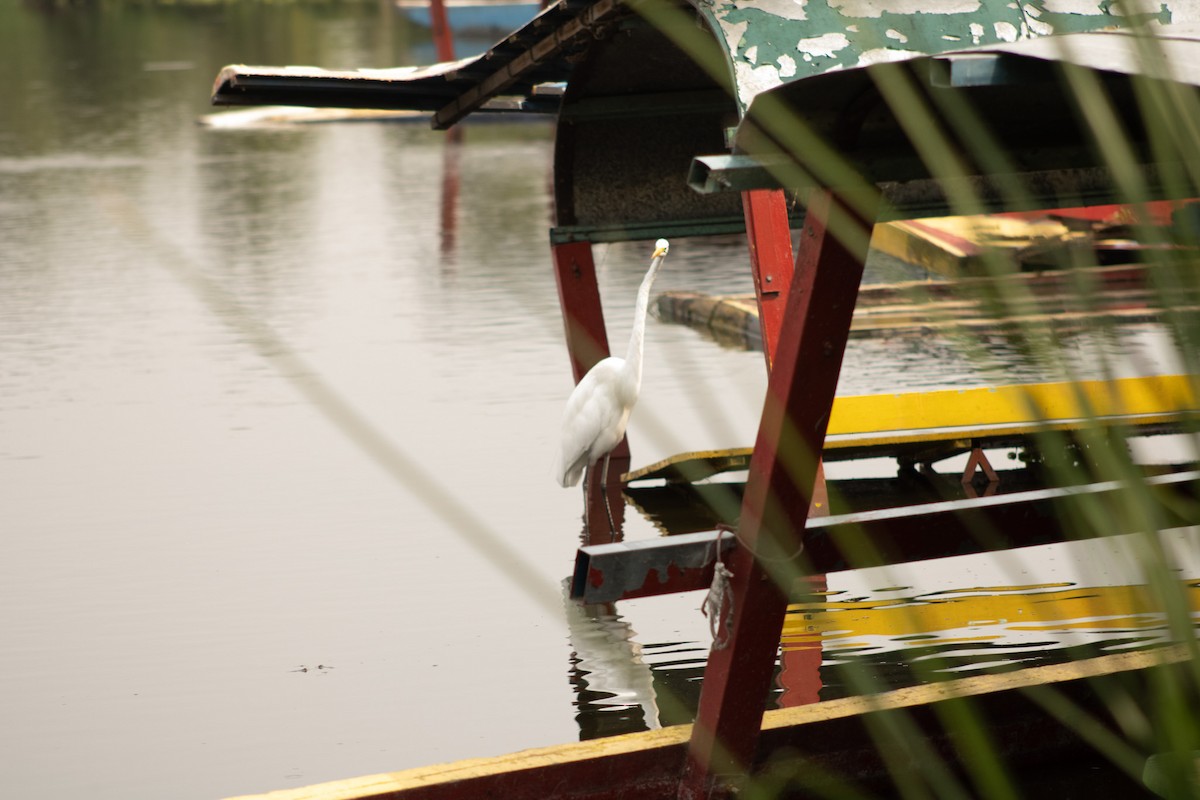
(666, 110)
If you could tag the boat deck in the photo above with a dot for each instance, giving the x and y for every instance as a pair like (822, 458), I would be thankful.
(923, 427)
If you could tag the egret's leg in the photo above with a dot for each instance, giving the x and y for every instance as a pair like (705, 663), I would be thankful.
(587, 528)
(612, 527)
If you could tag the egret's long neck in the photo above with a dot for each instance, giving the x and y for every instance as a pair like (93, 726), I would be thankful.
(633, 357)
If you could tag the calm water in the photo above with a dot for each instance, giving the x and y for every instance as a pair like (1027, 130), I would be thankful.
(277, 420)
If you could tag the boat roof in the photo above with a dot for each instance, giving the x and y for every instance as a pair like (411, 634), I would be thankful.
(666, 110)
(521, 73)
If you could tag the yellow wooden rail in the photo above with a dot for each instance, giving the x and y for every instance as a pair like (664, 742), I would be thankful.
(882, 422)
(539, 772)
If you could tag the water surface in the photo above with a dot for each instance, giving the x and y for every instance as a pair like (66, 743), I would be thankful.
(277, 417)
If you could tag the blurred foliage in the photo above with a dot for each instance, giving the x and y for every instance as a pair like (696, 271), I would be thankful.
(109, 60)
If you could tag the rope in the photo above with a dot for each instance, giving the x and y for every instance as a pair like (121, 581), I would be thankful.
(718, 603)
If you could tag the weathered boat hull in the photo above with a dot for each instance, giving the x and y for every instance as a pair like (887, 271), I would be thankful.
(803, 747)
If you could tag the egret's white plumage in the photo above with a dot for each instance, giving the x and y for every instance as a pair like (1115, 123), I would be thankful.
(598, 409)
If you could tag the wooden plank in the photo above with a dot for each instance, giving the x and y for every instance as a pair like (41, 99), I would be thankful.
(1125, 294)
(1026, 406)
(645, 765)
(889, 425)
(976, 525)
(900, 534)
(769, 239)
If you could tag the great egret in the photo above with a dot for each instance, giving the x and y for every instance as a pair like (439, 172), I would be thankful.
(598, 409)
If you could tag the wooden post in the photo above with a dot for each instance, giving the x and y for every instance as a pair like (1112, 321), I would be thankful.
(587, 343)
(779, 491)
(769, 235)
(443, 37)
(579, 298)
(770, 239)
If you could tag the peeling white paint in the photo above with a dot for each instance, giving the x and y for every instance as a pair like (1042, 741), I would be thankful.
(1005, 31)
(837, 46)
(875, 8)
(1040, 28)
(787, 9)
(1183, 11)
(1085, 7)
(733, 32)
(883, 55)
(754, 80)
(826, 45)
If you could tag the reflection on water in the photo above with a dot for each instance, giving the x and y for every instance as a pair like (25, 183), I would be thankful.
(198, 567)
(891, 627)
(612, 682)
(1090, 598)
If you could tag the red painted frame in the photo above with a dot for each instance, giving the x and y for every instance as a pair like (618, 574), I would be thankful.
(769, 236)
(779, 492)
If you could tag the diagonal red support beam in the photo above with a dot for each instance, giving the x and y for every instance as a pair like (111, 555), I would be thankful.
(779, 491)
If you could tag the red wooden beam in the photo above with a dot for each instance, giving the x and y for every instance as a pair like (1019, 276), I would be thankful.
(769, 236)
(443, 37)
(579, 297)
(779, 491)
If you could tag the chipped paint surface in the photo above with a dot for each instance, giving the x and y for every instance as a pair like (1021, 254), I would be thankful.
(1083, 7)
(784, 9)
(874, 9)
(1006, 31)
(772, 42)
(826, 45)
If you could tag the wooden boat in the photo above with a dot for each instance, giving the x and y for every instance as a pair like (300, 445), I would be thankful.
(472, 18)
(834, 738)
(693, 118)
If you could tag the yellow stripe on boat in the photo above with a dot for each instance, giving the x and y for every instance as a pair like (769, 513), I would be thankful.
(1041, 608)
(884, 422)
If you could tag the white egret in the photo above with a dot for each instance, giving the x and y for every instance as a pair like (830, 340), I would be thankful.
(599, 407)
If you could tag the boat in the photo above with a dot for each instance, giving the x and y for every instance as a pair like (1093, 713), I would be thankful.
(837, 127)
(472, 18)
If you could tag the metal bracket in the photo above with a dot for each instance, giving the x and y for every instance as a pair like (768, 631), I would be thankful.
(606, 573)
